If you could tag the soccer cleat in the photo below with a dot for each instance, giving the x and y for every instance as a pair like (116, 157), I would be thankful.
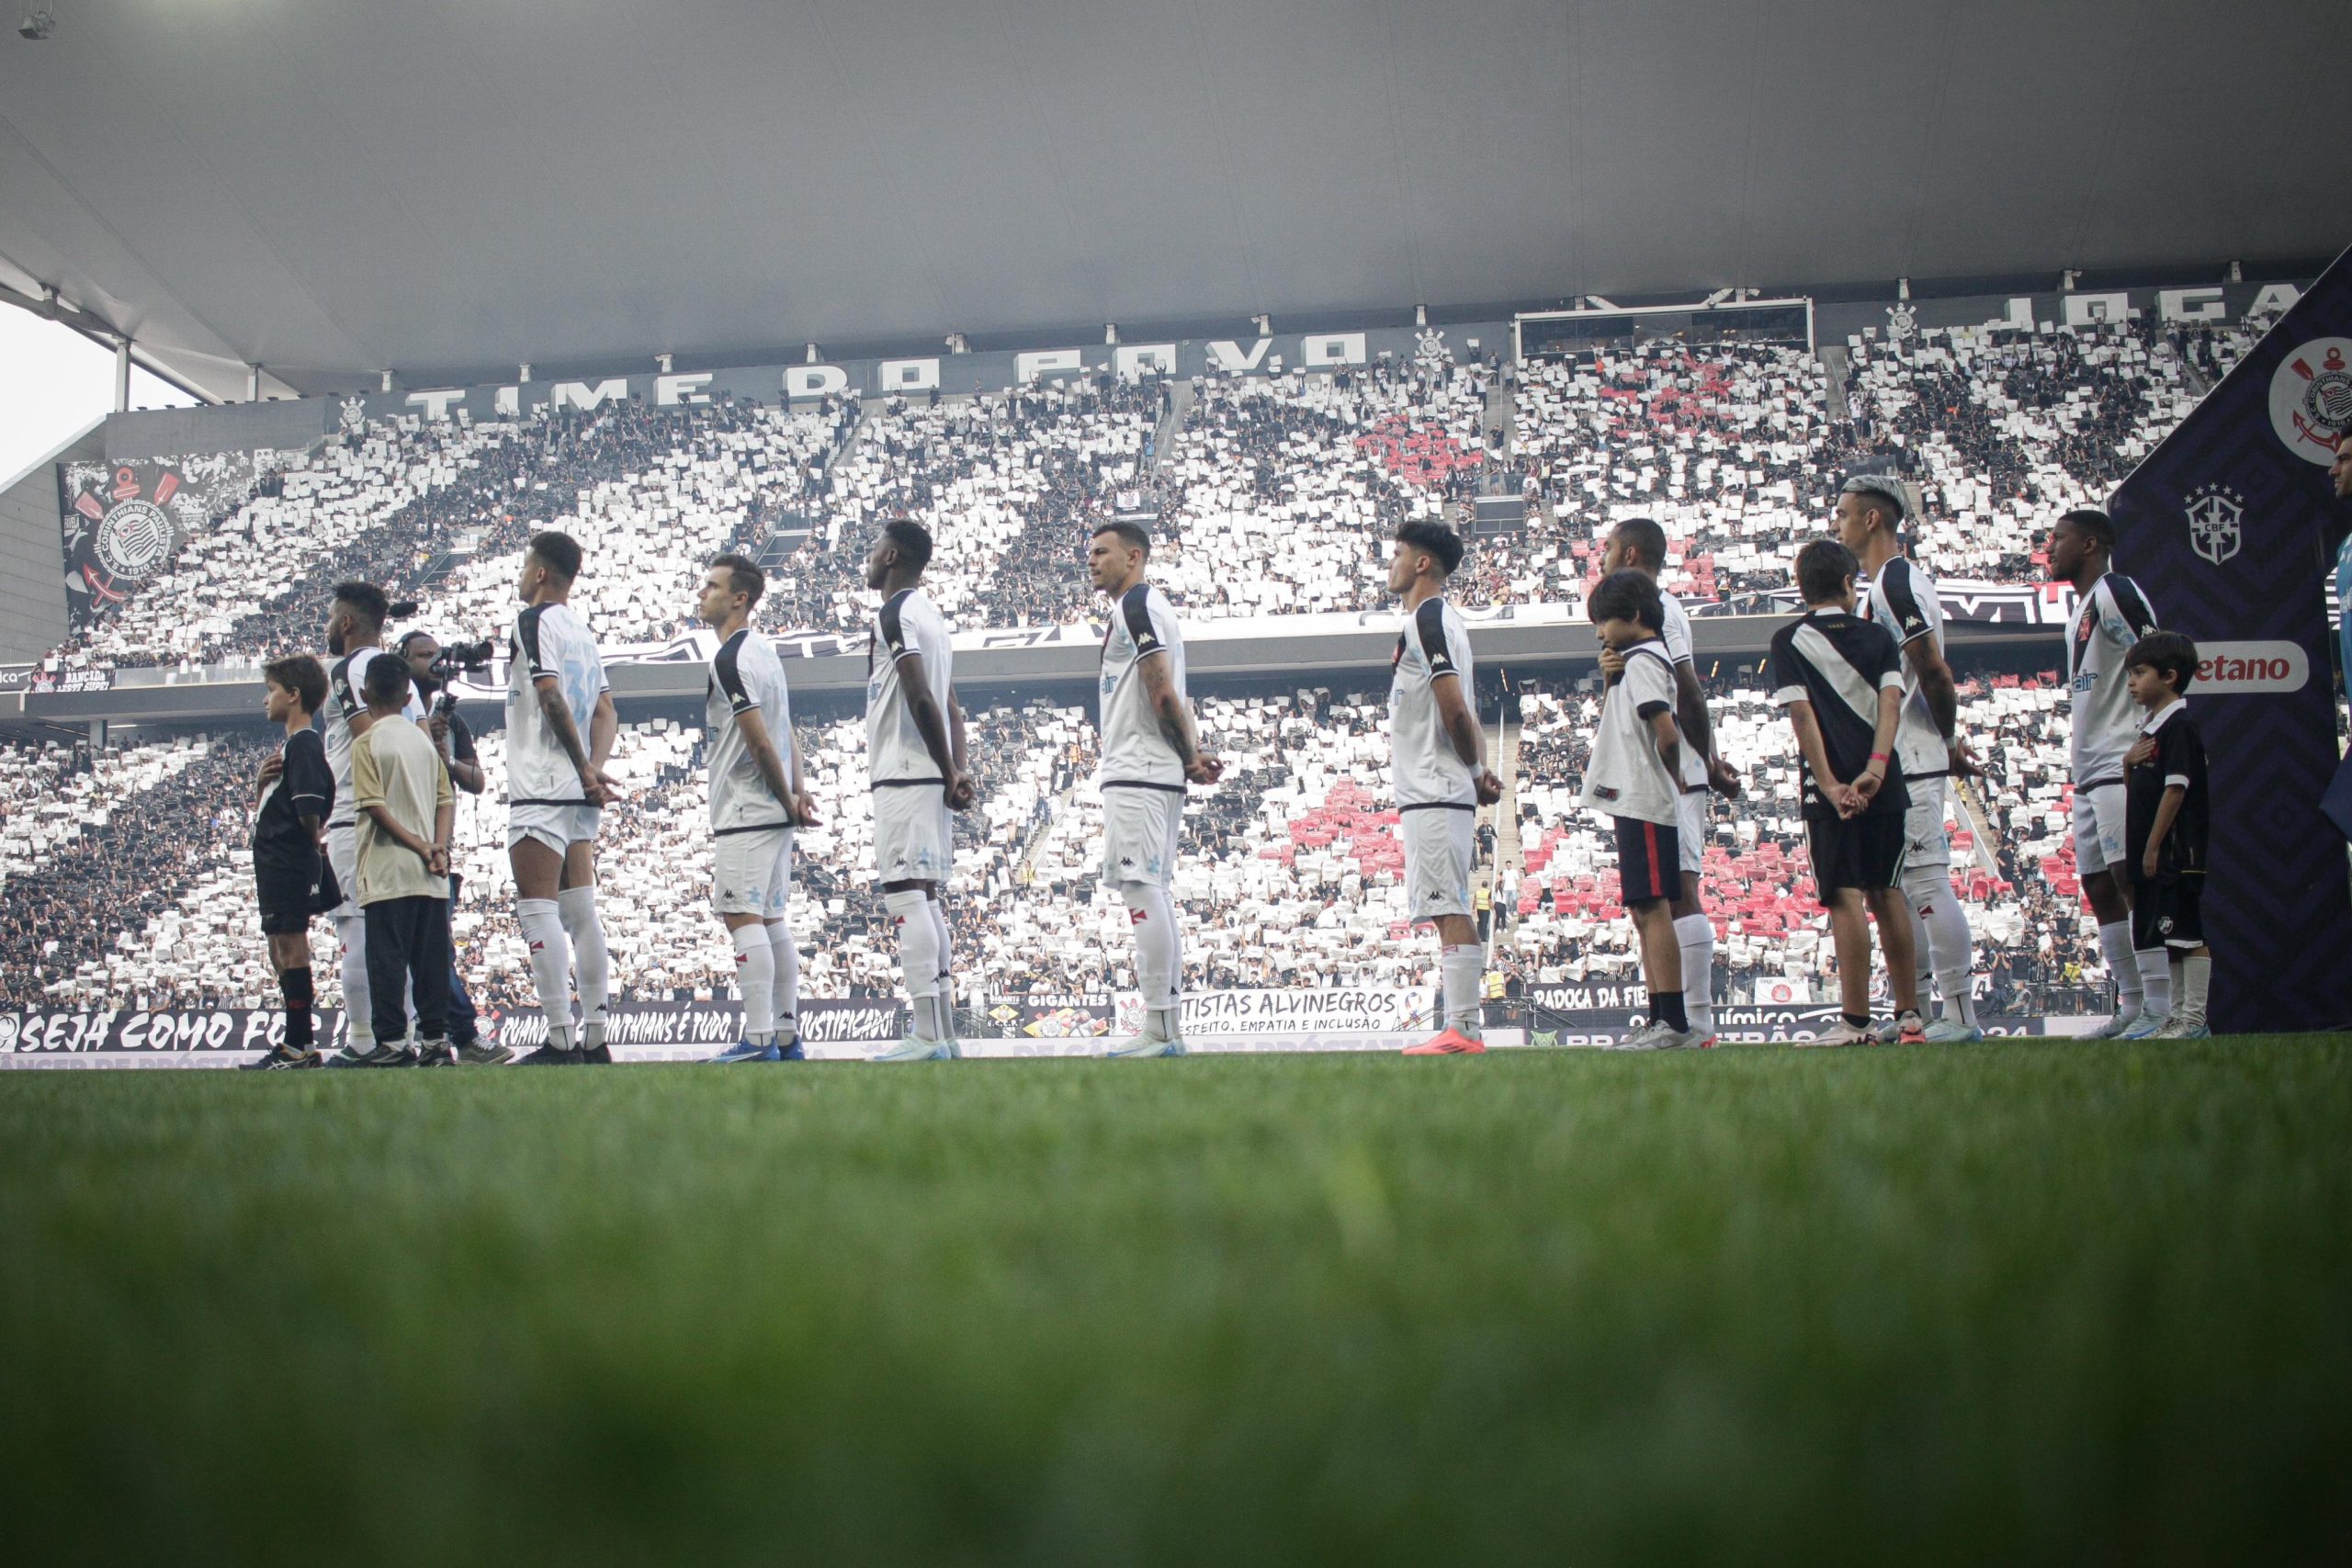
(2114, 1027)
(746, 1050)
(436, 1054)
(1448, 1043)
(793, 1053)
(1707, 1039)
(477, 1053)
(1910, 1029)
(1142, 1045)
(1642, 1039)
(378, 1055)
(1662, 1037)
(916, 1051)
(2179, 1027)
(2147, 1026)
(1886, 1032)
(1950, 1031)
(593, 1049)
(551, 1056)
(279, 1058)
(1840, 1033)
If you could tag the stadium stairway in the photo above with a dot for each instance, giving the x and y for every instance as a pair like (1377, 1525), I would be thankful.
(1180, 413)
(1837, 367)
(1502, 415)
(1502, 745)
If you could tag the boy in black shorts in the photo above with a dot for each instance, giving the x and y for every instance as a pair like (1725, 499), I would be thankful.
(292, 875)
(2166, 811)
(1841, 679)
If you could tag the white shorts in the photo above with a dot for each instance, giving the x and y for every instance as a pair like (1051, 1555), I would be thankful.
(1439, 844)
(557, 824)
(751, 872)
(2098, 830)
(1691, 810)
(342, 853)
(1141, 827)
(912, 837)
(1924, 842)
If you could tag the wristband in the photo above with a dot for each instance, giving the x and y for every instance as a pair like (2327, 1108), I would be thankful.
(1878, 756)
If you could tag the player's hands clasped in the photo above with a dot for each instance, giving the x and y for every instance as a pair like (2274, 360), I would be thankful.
(1204, 769)
(1723, 778)
(598, 786)
(437, 863)
(1490, 788)
(1963, 761)
(962, 790)
(802, 810)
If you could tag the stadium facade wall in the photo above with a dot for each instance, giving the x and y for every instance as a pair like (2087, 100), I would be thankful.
(32, 585)
(284, 424)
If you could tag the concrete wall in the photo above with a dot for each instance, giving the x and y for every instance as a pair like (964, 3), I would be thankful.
(32, 557)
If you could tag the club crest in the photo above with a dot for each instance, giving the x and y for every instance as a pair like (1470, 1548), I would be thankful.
(2311, 398)
(2213, 511)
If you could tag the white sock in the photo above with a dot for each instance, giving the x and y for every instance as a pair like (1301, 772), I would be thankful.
(946, 967)
(1697, 935)
(755, 979)
(2155, 979)
(2196, 974)
(2115, 946)
(576, 907)
(1153, 920)
(917, 958)
(1939, 931)
(351, 932)
(1458, 970)
(785, 994)
(550, 961)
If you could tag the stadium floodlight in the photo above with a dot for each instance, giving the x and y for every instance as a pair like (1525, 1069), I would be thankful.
(37, 24)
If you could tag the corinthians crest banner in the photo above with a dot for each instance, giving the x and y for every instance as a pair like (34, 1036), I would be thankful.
(2228, 527)
(124, 521)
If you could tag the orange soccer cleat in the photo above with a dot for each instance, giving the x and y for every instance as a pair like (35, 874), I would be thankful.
(1453, 1042)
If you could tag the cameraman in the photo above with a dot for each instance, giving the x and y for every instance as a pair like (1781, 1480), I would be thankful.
(455, 742)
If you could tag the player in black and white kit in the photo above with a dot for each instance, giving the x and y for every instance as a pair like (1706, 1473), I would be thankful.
(1638, 543)
(915, 767)
(1438, 768)
(1151, 746)
(355, 632)
(559, 731)
(1903, 599)
(757, 798)
(2110, 614)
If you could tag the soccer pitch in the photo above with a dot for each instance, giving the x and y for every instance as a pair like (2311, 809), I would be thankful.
(2078, 1300)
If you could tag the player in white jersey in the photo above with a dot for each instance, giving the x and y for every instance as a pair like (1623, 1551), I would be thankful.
(355, 632)
(1903, 599)
(559, 731)
(1151, 746)
(2110, 614)
(758, 796)
(1438, 768)
(915, 766)
(1638, 543)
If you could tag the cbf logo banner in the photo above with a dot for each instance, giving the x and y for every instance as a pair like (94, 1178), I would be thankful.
(2226, 526)
(123, 523)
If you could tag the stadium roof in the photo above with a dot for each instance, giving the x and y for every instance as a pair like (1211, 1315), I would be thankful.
(344, 186)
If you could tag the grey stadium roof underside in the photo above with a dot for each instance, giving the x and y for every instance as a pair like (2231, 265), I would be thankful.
(343, 187)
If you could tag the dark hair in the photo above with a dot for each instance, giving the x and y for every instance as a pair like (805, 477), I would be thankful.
(2096, 524)
(1646, 535)
(1132, 534)
(1436, 538)
(1826, 570)
(2168, 653)
(560, 553)
(743, 575)
(387, 681)
(911, 540)
(1627, 595)
(366, 601)
(301, 674)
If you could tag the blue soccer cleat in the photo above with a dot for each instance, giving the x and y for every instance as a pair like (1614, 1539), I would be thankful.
(746, 1050)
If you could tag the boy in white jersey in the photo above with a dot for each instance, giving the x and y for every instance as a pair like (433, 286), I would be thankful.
(915, 766)
(1638, 543)
(757, 798)
(2110, 614)
(1438, 767)
(559, 731)
(355, 617)
(1151, 748)
(1903, 599)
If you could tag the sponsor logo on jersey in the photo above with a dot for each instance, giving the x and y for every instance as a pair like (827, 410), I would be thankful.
(2311, 398)
(2213, 511)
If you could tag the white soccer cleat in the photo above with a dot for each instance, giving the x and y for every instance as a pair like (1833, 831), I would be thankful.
(2148, 1025)
(1142, 1046)
(2180, 1027)
(916, 1051)
(1844, 1034)
(1886, 1032)
(2114, 1028)
(1950, 1031)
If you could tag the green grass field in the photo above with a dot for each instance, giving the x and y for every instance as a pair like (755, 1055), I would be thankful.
(2054, 1300)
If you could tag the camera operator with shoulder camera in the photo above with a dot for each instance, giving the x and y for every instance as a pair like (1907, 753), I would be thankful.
(434, 670)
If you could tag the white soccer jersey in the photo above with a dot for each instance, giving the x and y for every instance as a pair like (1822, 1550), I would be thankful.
(1135, 749)
(746, 676)
(1626, 777)
(908, 624)
(548, 639)
(1676, 634)
(1903, 600)
(345, 678)
(1423, 765)
(2112, 617)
